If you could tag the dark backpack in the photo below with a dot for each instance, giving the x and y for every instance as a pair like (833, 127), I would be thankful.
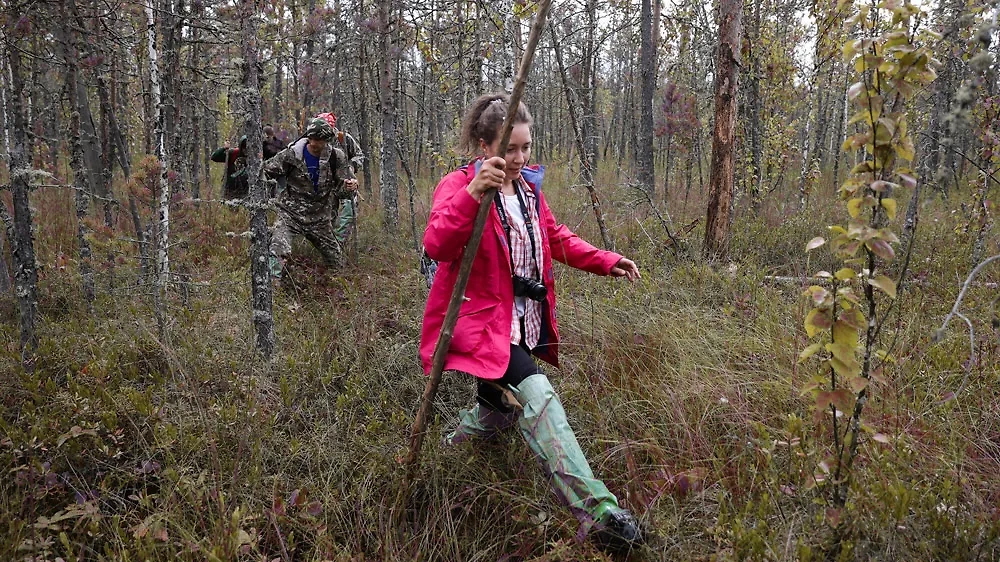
(237, 185)
(428, 267)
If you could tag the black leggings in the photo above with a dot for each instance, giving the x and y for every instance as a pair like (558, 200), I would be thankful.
(521, 366)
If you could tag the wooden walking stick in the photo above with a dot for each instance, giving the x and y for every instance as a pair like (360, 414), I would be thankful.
(469, 254)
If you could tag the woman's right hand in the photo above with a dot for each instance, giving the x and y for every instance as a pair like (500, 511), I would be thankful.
(491, 175)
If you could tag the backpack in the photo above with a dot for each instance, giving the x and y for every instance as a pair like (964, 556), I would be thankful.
(428, 267)
(237, 184)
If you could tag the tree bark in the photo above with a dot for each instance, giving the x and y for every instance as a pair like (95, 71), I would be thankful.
(260, 235)
(81, 177)
(23, 249)
(364, 117)
(722, 174)
(388, 181)
(163, 212)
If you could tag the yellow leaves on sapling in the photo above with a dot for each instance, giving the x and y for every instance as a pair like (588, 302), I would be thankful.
(818, 319)
(884, 284)
(889, 205)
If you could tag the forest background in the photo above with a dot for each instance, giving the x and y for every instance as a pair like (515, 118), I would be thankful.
(159, 402)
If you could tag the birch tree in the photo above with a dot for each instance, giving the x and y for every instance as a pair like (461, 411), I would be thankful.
(160, 148)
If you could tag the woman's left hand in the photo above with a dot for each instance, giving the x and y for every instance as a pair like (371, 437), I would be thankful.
(625, 268)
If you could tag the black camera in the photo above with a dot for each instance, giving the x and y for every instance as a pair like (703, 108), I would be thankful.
(525, 287)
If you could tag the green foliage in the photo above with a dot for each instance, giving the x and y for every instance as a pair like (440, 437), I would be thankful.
(847, 316)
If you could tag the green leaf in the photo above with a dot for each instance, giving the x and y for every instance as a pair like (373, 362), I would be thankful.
(845, 333)
(853, 317)
(844, 353)
(868, 116)
(845, 274)
(854, 207)
(889, 205)
(845, 369)
(809, 351)
(883, 283)
(850, 50)
(905, 149)
(862, 168)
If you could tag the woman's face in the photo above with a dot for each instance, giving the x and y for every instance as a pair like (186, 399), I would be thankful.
(518, 150)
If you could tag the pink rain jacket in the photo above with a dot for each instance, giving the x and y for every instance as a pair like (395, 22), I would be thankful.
(481, 342)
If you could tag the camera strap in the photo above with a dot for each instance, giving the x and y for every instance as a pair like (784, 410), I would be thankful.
(504, 221)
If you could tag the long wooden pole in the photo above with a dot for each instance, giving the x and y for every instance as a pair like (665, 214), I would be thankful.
(468, 256)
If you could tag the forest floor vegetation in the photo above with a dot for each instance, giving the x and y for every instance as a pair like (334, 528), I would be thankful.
(683, 388)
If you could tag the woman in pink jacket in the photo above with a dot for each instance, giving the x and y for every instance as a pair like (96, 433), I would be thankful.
(509, 312)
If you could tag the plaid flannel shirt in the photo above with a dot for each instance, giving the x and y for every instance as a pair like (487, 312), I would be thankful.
(520, 251)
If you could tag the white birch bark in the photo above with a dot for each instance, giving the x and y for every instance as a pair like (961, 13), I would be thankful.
(163, 214)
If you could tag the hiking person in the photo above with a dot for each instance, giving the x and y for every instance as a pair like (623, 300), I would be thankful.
(235, 185)
(272, 144)
(508, 313)
(344, 209)
(315, 173)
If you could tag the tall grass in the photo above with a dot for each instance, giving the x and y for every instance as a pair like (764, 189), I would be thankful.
(683, 389)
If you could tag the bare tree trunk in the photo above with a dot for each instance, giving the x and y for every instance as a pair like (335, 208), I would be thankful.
(411, 190)
(5, 285)
(260, 235)
(388, 182)
(81, 183)
(647, 54)
(804, 172)
(588, 123)
(198, 111)
(585, 158)
(756, 125)
(364, 117)
(723, 138)
(839, 139)
(25, 272)
(163, 216)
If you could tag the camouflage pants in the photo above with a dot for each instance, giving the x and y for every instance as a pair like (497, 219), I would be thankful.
(319, 232)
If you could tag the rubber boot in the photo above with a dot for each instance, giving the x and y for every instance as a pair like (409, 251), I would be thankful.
(480, 422)
(544, 426)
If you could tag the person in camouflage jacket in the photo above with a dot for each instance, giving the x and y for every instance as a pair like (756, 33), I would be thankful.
(316, 174)
(343, 210)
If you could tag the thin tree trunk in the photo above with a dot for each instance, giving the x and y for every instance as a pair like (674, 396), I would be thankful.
(388, 182)
(197, 117)
(756, 125)
(839, 139)
(364, 116)
(163, 215)
(804, 172)
(586, 171)
(25, 272)
(260, 235)
(412, 190)
(81, 183)
(723, 138)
